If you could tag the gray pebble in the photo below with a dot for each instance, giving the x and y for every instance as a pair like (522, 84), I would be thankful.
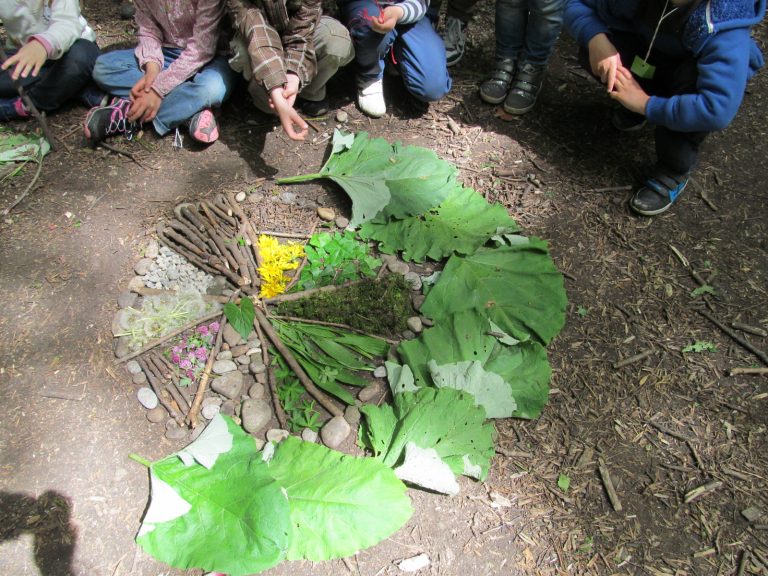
(229, 385)
(256, 413)
(240, 350)
(224, 366)
(370, 392)
(428, 322)
(414, 280)
(341, 222)
(156, 415)
(257, 365)
(133, 367)
(224, 355)
(326, 214)
(243, 360)
(414, 324)
(152, 250)
(210, 411)
(277, 435)
(139, 378)
(228, 408)
(398, 267)
(147, 398)
(175, 433)
(352, 415)
(335, 431)
(136, 283)
(261, 377)
(243, 368)
(408, 335)
(287, 197)
(126, 299)
(240, 196)
(212, 401)
(143, 266)
(380, 372)
(309, 435)
(122, 346)
(341, 116)
(120, 321)
(231, 336)
(257, 391)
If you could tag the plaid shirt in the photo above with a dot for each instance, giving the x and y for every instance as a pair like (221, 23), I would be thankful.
(192, 25)
(278, 37)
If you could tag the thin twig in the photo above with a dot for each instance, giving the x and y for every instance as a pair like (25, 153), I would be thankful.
(194, 410)
(283, 234)
(632, 359)
(609, 488)
(310, 387)
(334, 325)
(28, 188)
(121, 152)
(758, 371)
(735, 337)
(279, 412)
(297, 274)
(310, 292)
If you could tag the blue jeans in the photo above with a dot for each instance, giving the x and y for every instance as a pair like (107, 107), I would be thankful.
(58, 80)
(526, 30)
(417, 49)
(117, 72)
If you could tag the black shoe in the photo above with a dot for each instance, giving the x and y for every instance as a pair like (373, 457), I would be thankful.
(627, 121)
(525, 89)
(312, 109)
(103, 121)
(659, 193)
(495, 88)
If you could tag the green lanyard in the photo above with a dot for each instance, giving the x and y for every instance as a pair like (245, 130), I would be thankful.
(640, 66)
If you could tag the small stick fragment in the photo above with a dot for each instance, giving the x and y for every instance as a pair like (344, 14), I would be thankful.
(311, 291)
(313, 390)
(158, 390)
(26, 190)
(605, 476)
(194, 410)
(284, 235)
(669, 432)
(750, 329)
(735, 337)
(702, 490)
(743, 562)
(759, 371)
(632, 359)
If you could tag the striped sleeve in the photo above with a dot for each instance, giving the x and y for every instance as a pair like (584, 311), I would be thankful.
(413, 10)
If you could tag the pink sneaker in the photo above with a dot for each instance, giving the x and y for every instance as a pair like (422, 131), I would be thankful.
(203, 127)
(103, 121)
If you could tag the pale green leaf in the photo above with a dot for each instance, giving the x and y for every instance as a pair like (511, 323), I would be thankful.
(400, 378)
(488, 389)
(214, 440)
(424, 468)
(339, 503)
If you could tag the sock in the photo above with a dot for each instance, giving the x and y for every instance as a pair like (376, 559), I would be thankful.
(18, 105)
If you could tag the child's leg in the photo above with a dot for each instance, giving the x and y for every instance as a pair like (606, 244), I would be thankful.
(420, 52)
(370, 46)
(116, 72)
(333, 49)
(545, 21)
(206, 89)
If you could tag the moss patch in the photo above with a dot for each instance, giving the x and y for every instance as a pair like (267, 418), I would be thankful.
(375, 306)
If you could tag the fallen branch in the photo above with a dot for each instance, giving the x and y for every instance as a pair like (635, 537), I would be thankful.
(702, 490)
(736, 371)
(605, 476)
(27, 189)
(279, 412)
(632, 359)
(313, 390)
(158, 389)
(194, 410)
(750, 329)
(284, 235)
(334, 325)
(735, 337)
(168, 336)
(672, 433)
(312, 291)
(121, 152)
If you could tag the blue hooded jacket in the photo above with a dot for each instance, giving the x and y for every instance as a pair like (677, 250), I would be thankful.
(716, 33)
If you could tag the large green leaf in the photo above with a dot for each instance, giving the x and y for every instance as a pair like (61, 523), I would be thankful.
(385, 180)
(339, 503)
(461, 224)
(231, 518)
(444, 419)
(517, 286)
(467, 337)
(16, 147)
(487, 388)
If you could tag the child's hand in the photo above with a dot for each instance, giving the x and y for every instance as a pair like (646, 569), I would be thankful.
(289, 118)
(28, 60)
(145, 107)
(387, 20)
(291, 89)
(629, 93)
(604, 60)
(143, 86)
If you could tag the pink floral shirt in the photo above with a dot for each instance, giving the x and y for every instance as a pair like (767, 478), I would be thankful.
(192, 25)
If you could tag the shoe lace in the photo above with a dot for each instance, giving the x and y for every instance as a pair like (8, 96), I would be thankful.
(118, 120)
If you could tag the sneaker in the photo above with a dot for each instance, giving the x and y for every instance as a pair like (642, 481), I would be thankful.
(525, 89)
(627, 121)
(313, 109)
(495, 88)
(12, 109)
(659, 193)
(203, 127)
(103, 121)
(370, 99)
(455, 39)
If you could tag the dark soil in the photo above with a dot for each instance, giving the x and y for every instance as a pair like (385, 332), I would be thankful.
(656, 429)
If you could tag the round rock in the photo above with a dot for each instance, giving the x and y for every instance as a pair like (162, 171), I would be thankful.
(147, 398)
(224, 355)
(335, 431)
(156, 415)
(224, 366)
(139, 378)
(175, 433)
(277, 435)
(341, 116)
(369, 392)
(257, 391)
(326, 214)
(398, 267)
(227, 408)
(255, 413)
(229, 385)
(352, 415)
(240, 196)
(142, 266)
(414, 280)
(133, 367)
(414, 324)
(231, 336)
(212, 401)
(380, 372)
(136, 283)
(341, 222)
(210, 411)
(309, 435)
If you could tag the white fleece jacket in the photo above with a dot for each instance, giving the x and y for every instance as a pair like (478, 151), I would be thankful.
(56, 24)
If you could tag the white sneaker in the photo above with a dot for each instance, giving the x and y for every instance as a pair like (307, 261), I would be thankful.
(370, 99)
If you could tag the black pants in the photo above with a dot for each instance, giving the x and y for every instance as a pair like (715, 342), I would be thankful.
(58, 80)
(676, 151)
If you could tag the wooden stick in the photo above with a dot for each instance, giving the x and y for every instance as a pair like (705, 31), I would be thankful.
(158, 390)
(605, 476)
(167, 337)
(334, 325)
(672, 433)
(759, 371)
(249, 230)
(310, 292)
(284, 235)
(170, 372)
(297, 273)
(29, 105)
(702, 490)
(315, 392)
(750, 329)
(194, 410)
(27, 189)
(632, 359)
(192, 234)
(171, 386)
(279, 412)
(735, 337)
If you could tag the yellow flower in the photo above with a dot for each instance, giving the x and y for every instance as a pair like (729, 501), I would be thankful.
(276, 259)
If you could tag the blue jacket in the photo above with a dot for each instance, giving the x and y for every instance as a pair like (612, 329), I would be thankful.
(716, 33)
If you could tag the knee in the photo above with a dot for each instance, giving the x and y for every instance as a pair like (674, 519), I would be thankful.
(431, 91)
(333, 42)
(80, 58)
(215, 90)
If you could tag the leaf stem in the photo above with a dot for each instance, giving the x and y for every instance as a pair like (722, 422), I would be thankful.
(301, 178)
(140, 460)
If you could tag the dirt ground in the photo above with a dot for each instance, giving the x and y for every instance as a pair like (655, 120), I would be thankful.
(656, 429)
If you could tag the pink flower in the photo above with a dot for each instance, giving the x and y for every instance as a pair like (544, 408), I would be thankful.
(175, 358)
(190, 375)
(185, 364)
(201, 354)
(176, 350)
(202, 330)
(214, 326)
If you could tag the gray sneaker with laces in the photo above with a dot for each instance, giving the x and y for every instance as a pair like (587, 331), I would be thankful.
(455, 39)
